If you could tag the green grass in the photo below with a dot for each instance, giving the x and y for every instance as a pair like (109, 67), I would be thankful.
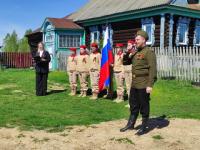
(157, 137)
(123, 140)
(20, 107)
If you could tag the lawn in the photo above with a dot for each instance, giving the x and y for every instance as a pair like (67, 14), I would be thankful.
(20, 107)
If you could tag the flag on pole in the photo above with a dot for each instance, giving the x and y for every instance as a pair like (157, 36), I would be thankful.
(106, 60)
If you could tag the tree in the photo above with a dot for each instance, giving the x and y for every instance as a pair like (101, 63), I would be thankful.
(23, 43)
(11, 42)
(6, 42)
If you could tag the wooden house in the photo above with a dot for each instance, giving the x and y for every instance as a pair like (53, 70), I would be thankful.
(169, 23)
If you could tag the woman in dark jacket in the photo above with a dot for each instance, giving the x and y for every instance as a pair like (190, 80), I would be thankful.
(42, 59)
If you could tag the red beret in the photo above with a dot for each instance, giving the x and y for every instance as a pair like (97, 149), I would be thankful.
(119, 45)
(94, 45)
(131, 41)
(83, 46)
(72, 49)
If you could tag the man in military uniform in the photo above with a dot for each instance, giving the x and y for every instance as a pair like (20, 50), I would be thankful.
(83, 70)
(94, 63)
(127, 64)
(119, 72)
(143, 77)
(71, 69)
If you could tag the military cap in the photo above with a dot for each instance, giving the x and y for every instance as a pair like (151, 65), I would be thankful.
(143, 34)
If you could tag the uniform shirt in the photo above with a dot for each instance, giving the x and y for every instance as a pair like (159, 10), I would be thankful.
(144, 70)
(95, 61)
(71, 63)
(82, 63)
(118, 63)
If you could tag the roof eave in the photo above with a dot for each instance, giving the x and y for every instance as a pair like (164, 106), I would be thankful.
(146, 12)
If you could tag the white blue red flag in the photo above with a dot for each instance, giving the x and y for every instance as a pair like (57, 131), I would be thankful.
(106, 60)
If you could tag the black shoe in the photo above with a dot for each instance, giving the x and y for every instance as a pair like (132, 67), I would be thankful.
(143, 129)
(130, 124)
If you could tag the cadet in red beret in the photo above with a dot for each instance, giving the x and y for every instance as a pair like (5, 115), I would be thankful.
(95, 62)
(71, 69)
(118, 72)
(83, 69)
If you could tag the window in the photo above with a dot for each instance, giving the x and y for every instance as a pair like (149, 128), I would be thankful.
(197, 33)
(94, 34)
(149, 26)
(95, 37)
(49, 37)
(182, 31)
(69, 41)
(182, 34)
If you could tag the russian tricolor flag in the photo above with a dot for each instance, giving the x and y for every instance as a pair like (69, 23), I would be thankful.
(106, 60)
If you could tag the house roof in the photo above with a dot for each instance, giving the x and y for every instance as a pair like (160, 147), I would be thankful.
(63, 23)
(103, 8)
(99, 8)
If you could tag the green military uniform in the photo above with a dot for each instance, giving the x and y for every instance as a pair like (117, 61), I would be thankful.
(143, 75)
(143, 68)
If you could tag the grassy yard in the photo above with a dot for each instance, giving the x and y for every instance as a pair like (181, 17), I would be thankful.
(20, 107)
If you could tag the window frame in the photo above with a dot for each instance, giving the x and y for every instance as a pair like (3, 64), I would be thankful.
(149, 22)
(197, 31)
(68, 40)
(183, 21)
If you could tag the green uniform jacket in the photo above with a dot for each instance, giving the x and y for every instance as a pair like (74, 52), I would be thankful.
(144, 68)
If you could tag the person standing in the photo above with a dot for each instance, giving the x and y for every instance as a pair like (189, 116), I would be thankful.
(128, 65)
(42, 59)
(94, 63)
(119, 72)
(71, 69)
(144, 75)
(83, 70)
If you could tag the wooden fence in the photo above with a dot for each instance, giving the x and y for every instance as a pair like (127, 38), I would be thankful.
(16, 59)
(182, 63)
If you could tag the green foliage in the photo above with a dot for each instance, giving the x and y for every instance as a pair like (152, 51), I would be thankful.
(13, 44)
(23, 45)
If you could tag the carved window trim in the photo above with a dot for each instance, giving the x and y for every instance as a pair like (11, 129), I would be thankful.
(148, 22)
(197, 33)
(182, 22)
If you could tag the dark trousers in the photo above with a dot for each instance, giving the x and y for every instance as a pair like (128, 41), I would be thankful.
(41, 84)
(139, 102)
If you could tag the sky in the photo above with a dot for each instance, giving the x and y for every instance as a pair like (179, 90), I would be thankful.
(20, 15)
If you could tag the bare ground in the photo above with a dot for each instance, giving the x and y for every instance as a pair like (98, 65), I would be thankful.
(173, 134)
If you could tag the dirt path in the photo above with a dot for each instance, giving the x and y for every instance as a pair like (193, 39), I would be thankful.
(175, 134)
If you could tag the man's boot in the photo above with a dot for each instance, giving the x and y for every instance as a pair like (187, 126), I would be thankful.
(143, 128)
(130, 124)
